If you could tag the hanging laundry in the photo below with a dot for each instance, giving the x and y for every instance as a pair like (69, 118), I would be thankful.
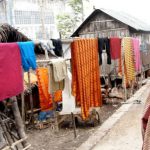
(137, 58)
(58, 47)
(59, 69)
(11, 77)
(129, 67)
(53, 85)
(85, 72)
(45, 97)
(48, 45)
(27, 55)
(115, 47)
(103, 43)
(68, 100)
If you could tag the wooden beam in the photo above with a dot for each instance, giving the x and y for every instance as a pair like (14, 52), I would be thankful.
(106, 30)
(102, 21)
(18, 120)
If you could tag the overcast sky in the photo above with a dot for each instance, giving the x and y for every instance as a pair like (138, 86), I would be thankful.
(137, 8)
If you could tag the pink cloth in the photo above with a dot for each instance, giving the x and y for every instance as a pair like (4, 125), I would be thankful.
(137, 57)
(11, 76)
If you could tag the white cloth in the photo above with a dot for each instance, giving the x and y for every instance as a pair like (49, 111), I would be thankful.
(59, 69)
(68, 101)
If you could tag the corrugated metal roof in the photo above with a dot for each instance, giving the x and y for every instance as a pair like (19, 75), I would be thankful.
(120, 16)
(128, 19)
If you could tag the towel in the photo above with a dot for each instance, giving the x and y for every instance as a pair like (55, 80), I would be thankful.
(137, 58)
(115, 47)
(27, 55)
(59, 69)
(11, 76)
(53, 86)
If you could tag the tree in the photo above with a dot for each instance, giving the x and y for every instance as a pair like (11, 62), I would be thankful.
(67, 23)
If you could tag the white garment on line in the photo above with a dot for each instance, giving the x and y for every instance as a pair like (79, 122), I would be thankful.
(68, 100)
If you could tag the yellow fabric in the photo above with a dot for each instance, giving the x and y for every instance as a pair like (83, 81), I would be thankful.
(33, 78)
(129, 67)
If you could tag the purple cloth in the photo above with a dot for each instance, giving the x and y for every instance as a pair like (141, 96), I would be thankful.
(11, 76)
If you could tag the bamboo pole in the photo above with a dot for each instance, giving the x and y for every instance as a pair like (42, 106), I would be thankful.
(18, 120)
(30, 94)
(123, 72)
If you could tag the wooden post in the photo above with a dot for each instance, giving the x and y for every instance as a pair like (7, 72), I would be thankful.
(74, 125)
(18, 120)
(31, 99)
(23, 104)
(123, 71)
(22, 107)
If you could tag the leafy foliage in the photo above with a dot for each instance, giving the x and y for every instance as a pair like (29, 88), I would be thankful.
(68, 22)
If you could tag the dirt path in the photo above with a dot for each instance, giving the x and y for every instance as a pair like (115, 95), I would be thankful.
(64, 140)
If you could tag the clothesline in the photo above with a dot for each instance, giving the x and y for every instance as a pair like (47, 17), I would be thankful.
(48, 61)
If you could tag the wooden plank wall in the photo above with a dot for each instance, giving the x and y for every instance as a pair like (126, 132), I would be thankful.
(102, 25)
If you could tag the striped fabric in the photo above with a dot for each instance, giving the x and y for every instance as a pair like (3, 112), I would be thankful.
(127, 55)
(146, 125)
(85, 74)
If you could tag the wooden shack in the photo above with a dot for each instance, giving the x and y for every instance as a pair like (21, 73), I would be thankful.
(109, 23)
(102, 23)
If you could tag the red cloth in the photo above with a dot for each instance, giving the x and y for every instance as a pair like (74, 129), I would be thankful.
(11, 75)
(115, 47)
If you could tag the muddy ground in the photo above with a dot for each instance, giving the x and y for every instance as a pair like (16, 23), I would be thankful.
(64, 140)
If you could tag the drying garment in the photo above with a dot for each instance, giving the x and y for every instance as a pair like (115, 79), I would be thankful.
(59, 69)
(27, 55)
(137, 58)
(68, 100)
(146, 125)
(115, 47)
(54, 86)
(85, 74)
(103, 43)
(128, 57)
(58, 47)
(45, 97)
(11, 75)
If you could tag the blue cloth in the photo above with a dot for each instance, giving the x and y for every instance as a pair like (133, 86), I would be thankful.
(27, 55)
(45, 115)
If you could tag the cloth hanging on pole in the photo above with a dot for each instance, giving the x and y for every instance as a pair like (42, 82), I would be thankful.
(59, 69)
(115, 47)
(11, 77)
(129, 67)
(68, 100)
(53, 86)
(137, 58)
(58, 47)
(45, 97)
(27, 55)
(103, 43)
(85, 72)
